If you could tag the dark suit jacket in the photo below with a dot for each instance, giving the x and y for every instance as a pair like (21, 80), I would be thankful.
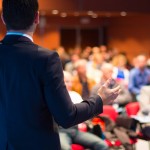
(33, 97)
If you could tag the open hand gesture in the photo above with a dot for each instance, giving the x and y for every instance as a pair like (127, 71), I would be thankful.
(108, 95)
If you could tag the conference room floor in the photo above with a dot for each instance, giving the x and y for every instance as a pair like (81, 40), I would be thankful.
(142, 145)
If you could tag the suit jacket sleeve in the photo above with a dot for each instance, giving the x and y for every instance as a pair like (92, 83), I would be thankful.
(58, 100)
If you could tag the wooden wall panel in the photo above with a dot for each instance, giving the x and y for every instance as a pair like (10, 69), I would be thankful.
(50, 38)
(131, 35)
(61, 5)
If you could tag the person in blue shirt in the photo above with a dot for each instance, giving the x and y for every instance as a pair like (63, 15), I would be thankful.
(139, 76)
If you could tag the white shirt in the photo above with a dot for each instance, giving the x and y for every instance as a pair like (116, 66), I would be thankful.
(21, 34)
(75, 97)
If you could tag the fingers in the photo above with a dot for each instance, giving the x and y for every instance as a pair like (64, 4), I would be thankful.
(107, 83)
(108, 95)
(116, 90)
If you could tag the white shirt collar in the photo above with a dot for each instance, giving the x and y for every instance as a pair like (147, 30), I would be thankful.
(21, 34)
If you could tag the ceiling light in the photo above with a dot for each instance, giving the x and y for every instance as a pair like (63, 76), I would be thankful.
(63, 14)
(55, 12)
(94, 15)
(123, 13)
(85, 20)
(90, 12)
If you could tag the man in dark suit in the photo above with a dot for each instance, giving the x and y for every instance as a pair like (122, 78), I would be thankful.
(33, 96)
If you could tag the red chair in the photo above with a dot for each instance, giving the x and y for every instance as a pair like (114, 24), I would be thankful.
(82, 127)
(77, 147)
(109, 111)
(132, 108)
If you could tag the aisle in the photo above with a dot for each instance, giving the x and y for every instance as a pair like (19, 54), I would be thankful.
(142, 145)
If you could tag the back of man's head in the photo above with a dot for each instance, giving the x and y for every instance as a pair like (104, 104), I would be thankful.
(19, 14)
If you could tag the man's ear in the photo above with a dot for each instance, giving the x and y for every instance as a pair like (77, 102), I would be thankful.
(3, 19)
(37, 18)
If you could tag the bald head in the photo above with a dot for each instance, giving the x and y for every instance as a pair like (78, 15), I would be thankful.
(141, 61)
(107, 70)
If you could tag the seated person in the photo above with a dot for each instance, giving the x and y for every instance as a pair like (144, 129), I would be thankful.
(139, 76)
(107, 72)
(120, 71)
(144, 101)
(73, 135)
(70, 66)
(82, 84)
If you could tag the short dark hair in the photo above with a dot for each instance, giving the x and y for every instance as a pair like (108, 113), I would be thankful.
(19, 14)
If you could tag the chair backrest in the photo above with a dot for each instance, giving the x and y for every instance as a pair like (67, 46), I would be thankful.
(132, 108)
(109, 111)
(82, 127)
(77, 147)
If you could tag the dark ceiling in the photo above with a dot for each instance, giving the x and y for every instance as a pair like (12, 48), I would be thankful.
(97, 5)
(105, 8)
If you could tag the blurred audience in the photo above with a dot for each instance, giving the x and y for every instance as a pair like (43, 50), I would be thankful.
(144, 101)
(86, 70)
(107, 72)
(106, 54)
(139, 76)
(95, 50)
(73, 135)
(81, 83)
(148, 63)
(94, 65)
(86, 53)
(121, 73)
(70, 66)
(63, 55)
(89, 68)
